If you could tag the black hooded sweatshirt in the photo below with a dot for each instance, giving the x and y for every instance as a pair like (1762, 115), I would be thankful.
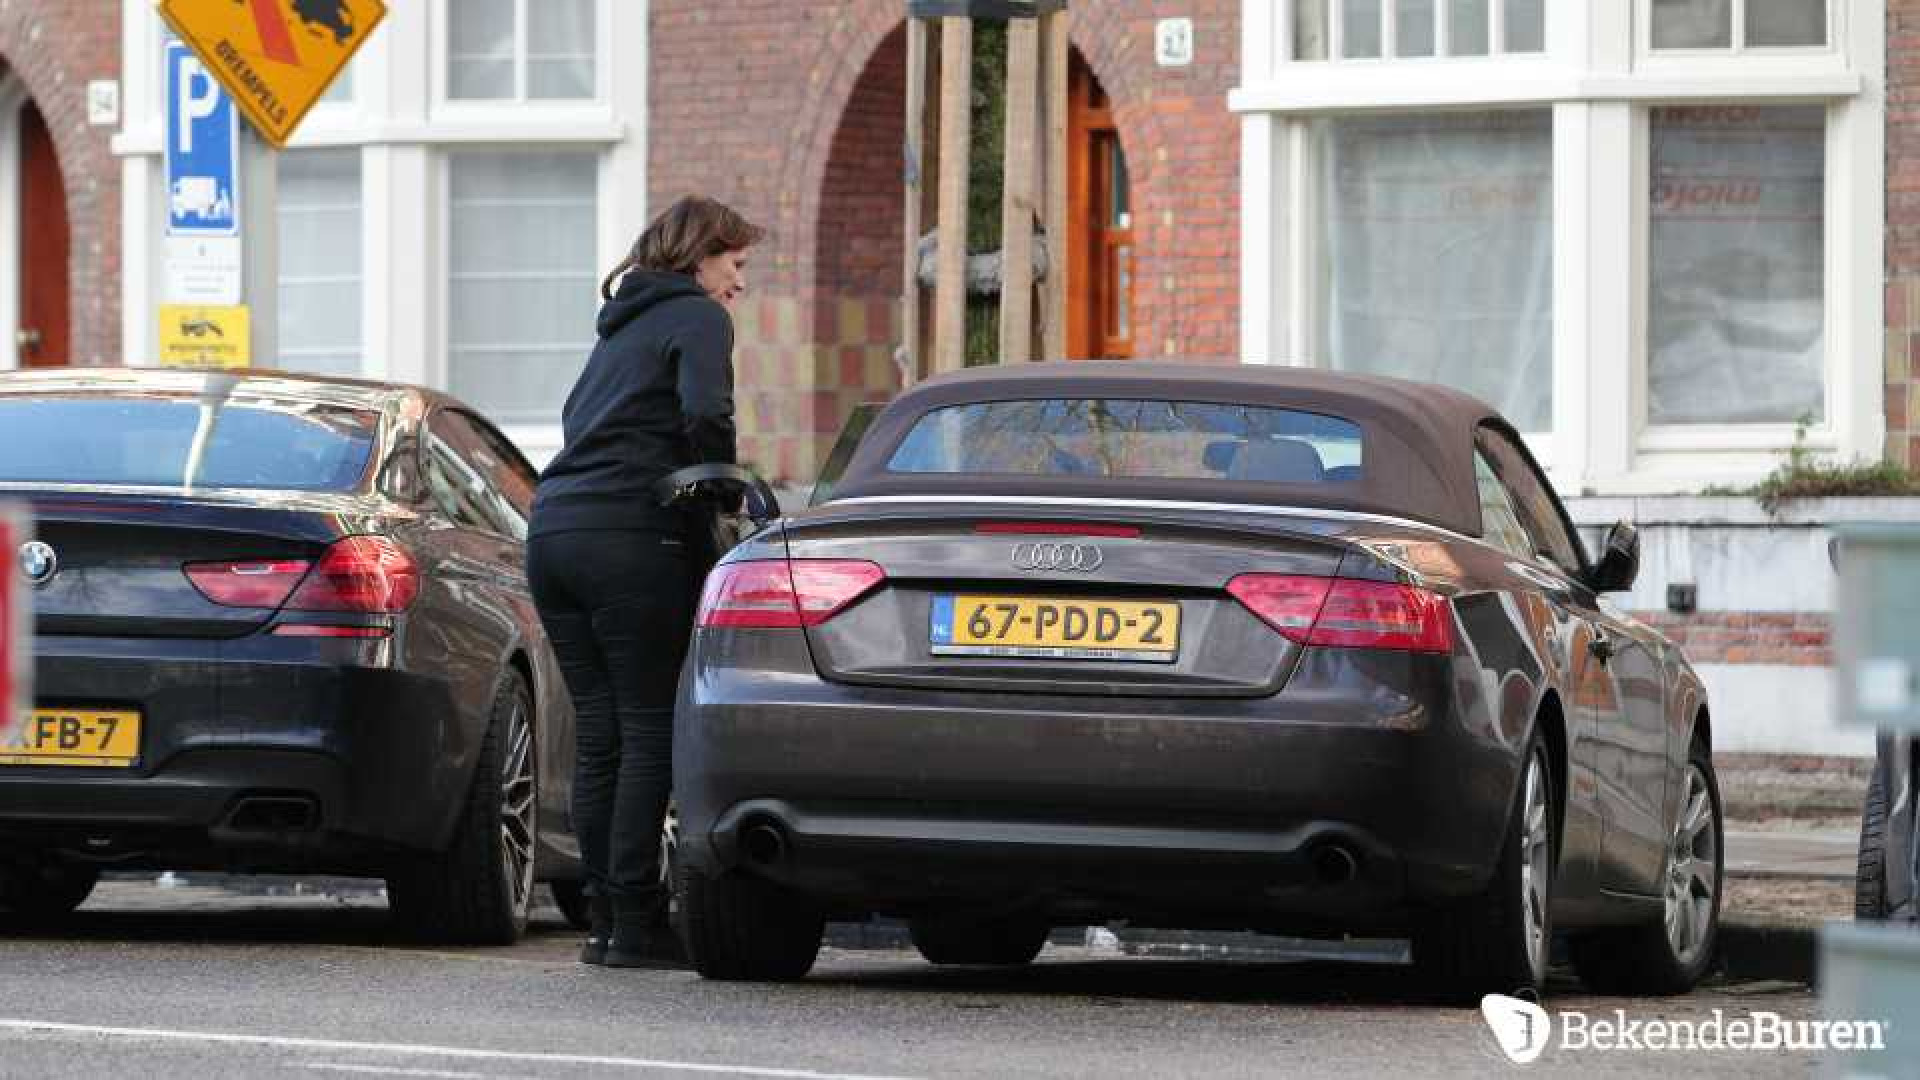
(657, 395)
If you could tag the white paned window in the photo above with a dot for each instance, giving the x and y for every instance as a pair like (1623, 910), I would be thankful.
(1652, 233)
(1416, 29)
(560, 36)
(521, 279)
(1525, 26)
(521, 50)
(320, 271)
(1360, 29)
(1469, 27)
(1310, 29)
(1737, 24)
(1437, 259)
(1786, 23)
(1736, 256)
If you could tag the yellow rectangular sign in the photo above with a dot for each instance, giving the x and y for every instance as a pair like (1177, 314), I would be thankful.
(276, 57)
(98, 737)
(218, 337)
(1060, 628)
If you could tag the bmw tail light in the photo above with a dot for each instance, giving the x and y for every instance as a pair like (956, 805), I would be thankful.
(1348, 613)
(252, 584)
(367, 575)
(776, 593)
(305, 630)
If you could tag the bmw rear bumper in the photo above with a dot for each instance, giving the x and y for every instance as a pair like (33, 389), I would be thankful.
(256, 754)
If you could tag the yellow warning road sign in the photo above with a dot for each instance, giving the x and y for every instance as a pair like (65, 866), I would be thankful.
(276, 57)
(205, 337)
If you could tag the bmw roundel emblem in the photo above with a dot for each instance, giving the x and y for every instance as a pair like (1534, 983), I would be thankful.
(38, 562)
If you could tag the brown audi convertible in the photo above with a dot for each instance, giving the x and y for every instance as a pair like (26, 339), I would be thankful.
(1242, 648)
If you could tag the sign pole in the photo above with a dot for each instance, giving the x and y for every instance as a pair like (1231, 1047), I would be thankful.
(260, 223)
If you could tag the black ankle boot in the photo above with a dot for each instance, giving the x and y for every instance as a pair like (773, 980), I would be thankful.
(641, 937)
(599, 930)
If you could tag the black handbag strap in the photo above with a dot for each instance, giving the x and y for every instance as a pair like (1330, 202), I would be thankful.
(762, 505)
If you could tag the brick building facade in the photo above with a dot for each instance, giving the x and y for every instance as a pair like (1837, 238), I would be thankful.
(1903, 232)
(795, 114)
(48, 54)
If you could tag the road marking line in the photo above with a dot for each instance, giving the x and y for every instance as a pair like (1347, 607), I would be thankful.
(389, 1070)
(420, 1049)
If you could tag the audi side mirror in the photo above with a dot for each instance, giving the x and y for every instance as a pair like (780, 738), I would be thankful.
(1619, 564)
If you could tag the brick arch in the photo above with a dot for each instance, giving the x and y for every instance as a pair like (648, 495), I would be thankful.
(1107, 41)
(861, 29)
(747, 101)
(859, 206)
(54, 50)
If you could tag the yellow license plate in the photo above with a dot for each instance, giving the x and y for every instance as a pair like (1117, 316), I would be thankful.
(1055, 628)
(98, 737)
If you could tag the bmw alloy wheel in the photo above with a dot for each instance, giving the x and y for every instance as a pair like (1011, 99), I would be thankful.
(517, 809)
(1692, 877)
(1536, 862)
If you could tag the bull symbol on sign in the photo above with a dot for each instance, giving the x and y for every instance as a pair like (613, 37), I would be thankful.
(333, 15)
(323, 16)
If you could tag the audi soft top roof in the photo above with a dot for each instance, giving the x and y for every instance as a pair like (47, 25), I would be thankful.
(1417, 439)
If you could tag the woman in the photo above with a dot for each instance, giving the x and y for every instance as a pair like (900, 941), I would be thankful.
(610, 567)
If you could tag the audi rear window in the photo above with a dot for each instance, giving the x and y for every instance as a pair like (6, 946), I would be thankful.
(1125, 438)
(184, 443)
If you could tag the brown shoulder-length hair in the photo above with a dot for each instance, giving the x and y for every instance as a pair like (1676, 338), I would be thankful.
(692, 229)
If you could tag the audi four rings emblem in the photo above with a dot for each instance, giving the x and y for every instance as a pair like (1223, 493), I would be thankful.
(38, 562)
(1079, 558)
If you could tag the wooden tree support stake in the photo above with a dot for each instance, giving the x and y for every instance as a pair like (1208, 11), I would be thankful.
(1017, 204)
(956, 132)
(1054, 211)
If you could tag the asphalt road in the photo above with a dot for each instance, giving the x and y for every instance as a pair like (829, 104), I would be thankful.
(203, 983)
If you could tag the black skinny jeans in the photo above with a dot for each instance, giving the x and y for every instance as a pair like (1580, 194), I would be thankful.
(618, 608)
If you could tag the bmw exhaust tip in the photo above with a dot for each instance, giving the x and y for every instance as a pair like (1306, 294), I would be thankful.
(763, 843)
(1335, 864)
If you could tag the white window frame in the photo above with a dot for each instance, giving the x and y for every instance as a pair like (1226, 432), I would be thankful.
(532, 439)
(1739, 53)
(480, 109)
(13, 104)
(1389, 36)
(359, 278)
(1601, 82)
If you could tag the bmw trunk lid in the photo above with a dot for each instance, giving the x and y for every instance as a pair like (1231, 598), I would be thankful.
(1091, 600)
(120, 561)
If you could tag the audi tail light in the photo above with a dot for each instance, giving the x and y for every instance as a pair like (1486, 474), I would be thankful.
(777, 593)
(1348, 613)
(365, 575)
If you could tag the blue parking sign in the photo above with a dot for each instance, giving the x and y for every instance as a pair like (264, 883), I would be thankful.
(203, 150)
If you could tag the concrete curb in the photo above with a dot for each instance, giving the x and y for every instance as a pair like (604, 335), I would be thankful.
(1748, 951)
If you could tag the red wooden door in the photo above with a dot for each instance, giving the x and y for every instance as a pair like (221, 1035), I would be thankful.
(44, 334)
(1100, 225)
